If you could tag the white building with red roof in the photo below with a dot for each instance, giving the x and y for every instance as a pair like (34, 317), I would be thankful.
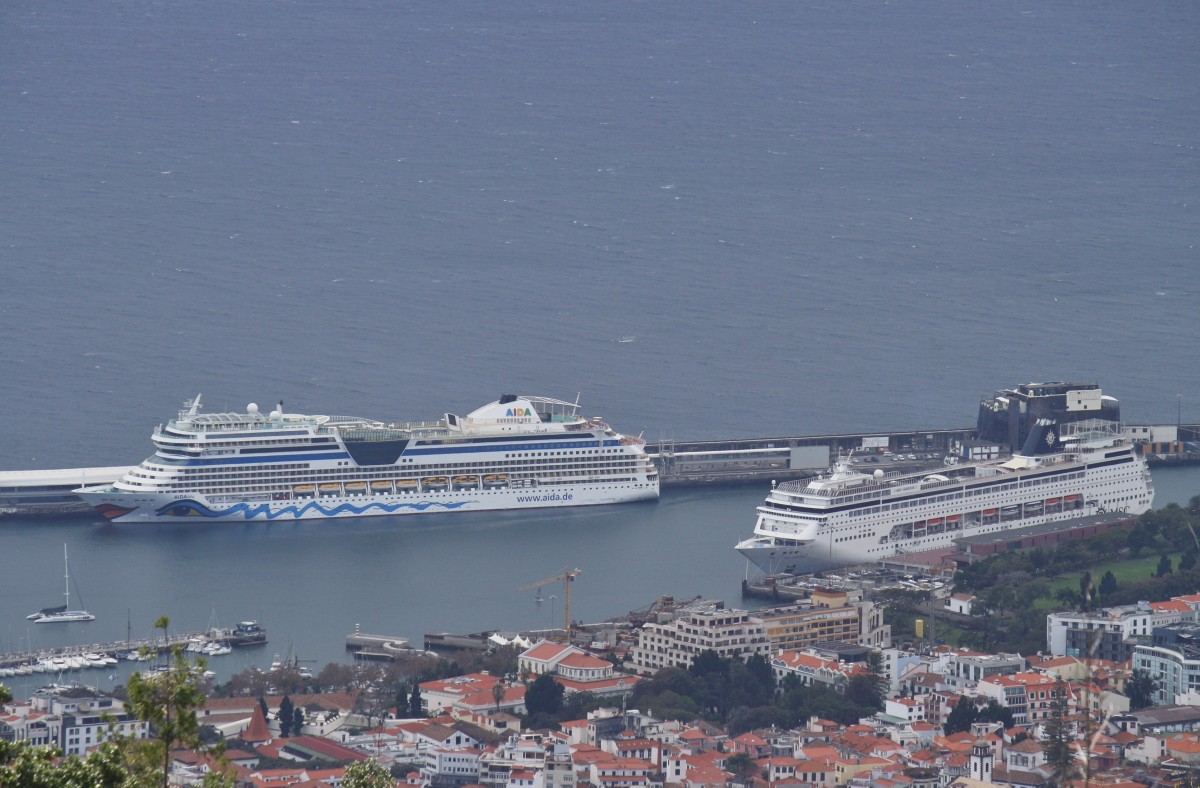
(1028, 696)
(575, 670)
(811, 669)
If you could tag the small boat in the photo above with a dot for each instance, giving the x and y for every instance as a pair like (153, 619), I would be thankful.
(329, 488)
(406, 485)
(495, 480)
(64, 613)
(466, 482)
(356, 488)
(435, 482)
(304, 489)
(381, 485)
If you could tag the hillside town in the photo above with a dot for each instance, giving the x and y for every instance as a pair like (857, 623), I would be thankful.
(1113, 699)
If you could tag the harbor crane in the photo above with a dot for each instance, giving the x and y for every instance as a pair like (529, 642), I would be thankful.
(567, 576)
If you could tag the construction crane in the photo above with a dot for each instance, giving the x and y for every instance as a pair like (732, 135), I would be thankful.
(567, 576)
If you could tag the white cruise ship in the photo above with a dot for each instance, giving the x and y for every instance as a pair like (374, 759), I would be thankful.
(847, 517)
(519, 452)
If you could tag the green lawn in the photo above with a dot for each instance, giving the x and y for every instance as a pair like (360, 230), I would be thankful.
(1125, 570)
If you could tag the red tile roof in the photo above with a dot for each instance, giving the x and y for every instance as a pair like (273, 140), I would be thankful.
(256, 732)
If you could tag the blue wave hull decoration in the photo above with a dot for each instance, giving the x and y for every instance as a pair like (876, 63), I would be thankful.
(189, 508)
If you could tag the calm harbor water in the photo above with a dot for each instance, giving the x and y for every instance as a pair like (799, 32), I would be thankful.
(711, 219)
(311, 583)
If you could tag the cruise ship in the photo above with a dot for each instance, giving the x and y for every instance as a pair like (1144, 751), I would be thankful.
(847, 517)
(519, 452)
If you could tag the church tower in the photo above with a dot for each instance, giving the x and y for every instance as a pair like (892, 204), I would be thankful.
(981, 761)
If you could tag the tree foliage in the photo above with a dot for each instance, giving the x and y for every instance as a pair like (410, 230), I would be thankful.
(544, 696)
(285, 716)
(167, 700)
(368, 774)
(1056, 743)
(1140, 689)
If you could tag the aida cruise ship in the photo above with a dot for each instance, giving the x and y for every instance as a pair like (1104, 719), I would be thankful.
(846, 517)
(520, 452)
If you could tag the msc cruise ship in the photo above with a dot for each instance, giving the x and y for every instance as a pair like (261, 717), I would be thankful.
(847, 517)
(520, 452)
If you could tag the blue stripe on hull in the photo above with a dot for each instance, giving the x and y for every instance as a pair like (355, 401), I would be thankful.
(187, 508)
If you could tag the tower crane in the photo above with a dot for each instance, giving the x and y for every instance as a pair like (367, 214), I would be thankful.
(567, 576)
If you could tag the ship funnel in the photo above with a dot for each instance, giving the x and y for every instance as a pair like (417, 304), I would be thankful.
(1043, 438)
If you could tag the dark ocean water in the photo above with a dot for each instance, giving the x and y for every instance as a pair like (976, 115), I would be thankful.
(711, 219)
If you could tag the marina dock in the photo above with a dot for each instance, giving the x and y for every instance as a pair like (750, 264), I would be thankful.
(16, 660)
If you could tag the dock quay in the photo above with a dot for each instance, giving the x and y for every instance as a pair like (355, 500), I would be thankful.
(741, 460)
(379, 647)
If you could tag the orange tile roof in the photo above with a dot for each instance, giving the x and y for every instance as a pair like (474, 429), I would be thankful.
(545, 651)
(256, 732)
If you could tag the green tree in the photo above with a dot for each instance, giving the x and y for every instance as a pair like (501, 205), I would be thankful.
(168, 702)
(961, 717)
(368, 774)
(878, 674)
(262, 704)
(298, 718)
(498, 694)
(742, 767)
(1108, 584)
(24, 766)
(416, 707)
(1086, 590)
(1056, 745)
(285, 716)
(994, 712)
(1140, 689)
(544, 696)
(1188, 561)
(1164, 567)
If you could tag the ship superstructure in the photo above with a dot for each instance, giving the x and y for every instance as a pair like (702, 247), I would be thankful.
(518, 452)
(847, 517)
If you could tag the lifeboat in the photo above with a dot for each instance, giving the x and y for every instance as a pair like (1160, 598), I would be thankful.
(329, 488)
(1052, 502)
(989, 512)
(304, 489)
(953, 518)
(935, 521)
(356, 488)
(406, 484)
(1072, 498)
(466, 482)
(381, 485)
(434, 482)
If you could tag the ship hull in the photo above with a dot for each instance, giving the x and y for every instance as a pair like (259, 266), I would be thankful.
(150, 508)
(821, 555)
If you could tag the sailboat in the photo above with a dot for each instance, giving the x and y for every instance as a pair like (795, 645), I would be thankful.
(62, 613)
